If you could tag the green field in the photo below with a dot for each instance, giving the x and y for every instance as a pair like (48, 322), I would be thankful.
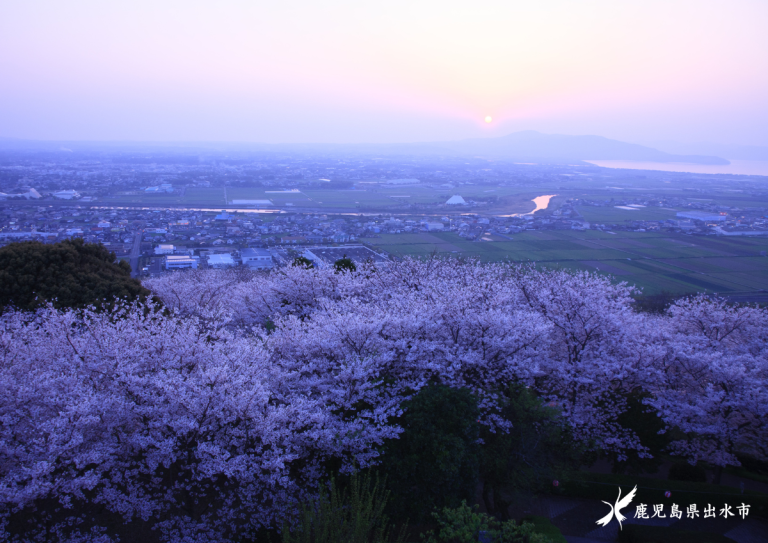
(615, 215)
(653, 261)
(188, 196)
(371, 196)
(365, 197)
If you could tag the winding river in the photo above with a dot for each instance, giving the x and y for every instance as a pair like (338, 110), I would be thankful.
(542, 202)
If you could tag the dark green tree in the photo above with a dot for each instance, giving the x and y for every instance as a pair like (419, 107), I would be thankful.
(645, 422)
(536, 450)
(465, 524)
(68, 274)
(655, 303)
(344, 265)
(434, 462)
(302, 262)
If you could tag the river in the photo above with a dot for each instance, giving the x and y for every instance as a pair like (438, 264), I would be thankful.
(542, 202)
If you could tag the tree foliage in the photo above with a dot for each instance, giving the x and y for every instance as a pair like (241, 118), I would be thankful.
(202, 426)
(644, 421)
(655, 303)
(176, 422)
(537, 449)
(344, 265)
(68, 274)
(434, 463)
(353, 515)
(302, 262)
(464, 524)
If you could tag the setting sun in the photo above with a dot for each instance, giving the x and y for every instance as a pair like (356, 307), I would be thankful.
(488, 119)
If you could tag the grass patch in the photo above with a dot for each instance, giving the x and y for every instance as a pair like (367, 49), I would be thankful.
(653, 261)
(543, 526)
(615, 215)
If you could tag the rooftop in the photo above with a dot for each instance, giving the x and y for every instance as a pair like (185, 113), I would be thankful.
(221, 259)
(456, 200)
(252, 253)
(356, 253)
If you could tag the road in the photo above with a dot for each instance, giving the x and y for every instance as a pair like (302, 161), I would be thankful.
(136, 252)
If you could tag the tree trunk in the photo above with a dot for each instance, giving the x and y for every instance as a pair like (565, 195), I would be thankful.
(488, 497)
(502, 505)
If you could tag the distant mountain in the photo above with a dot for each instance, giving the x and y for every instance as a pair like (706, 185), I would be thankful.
(534, 146)
(526, 146)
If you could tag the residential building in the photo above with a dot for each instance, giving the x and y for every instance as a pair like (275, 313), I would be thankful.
(257, 259)
(66, 194)
(220, 261)
(703, 216)
(164, 249)
(175, 262)
(293, 239)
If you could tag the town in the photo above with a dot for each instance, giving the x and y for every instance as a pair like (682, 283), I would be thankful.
(169, 210)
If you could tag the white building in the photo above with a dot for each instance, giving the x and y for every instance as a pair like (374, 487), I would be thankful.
(31, 193)
(164, 249)
(256, 259)
(434, 226)
(176, 262)
(702, 216)
(66, 194)
(221, 261)
(456, 200)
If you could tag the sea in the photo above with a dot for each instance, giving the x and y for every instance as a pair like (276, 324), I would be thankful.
(736, 167)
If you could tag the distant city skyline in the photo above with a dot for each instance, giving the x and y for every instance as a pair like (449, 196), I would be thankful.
(344, 72)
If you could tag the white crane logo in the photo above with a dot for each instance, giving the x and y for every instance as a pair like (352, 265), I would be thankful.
(616, 509)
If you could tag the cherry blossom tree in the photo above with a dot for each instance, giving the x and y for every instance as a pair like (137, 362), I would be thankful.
(215, 415)
(156, 419)
(574, 337)
(599, 351)
(715, 380)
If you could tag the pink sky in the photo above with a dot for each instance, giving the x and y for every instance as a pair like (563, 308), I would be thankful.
(401, 70)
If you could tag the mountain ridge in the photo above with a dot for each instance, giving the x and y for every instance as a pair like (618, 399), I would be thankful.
(523, 146)
(536, 145)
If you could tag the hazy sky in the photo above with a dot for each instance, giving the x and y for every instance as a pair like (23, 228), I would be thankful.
(390, 70)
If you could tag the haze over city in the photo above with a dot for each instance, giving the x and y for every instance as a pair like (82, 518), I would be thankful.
(399, 71)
